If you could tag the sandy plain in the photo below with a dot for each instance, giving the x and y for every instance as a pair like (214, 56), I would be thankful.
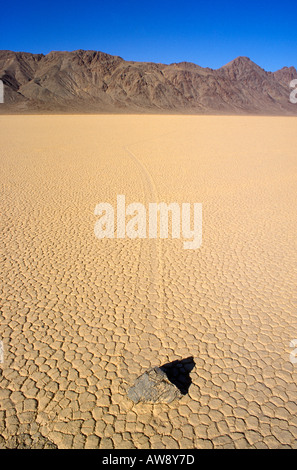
(81, 318)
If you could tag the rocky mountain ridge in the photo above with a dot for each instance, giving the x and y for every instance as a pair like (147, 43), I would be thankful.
(93, 81)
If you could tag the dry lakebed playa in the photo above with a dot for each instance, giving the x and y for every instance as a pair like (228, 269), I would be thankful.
(82, 318)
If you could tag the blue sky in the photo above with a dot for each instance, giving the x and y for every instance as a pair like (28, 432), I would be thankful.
(209, 33)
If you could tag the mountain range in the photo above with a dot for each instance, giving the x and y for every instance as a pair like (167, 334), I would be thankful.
(94, 82)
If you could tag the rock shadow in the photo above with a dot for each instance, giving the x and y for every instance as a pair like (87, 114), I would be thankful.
(178, 373)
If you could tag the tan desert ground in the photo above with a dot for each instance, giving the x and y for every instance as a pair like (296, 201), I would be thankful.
(82, 318)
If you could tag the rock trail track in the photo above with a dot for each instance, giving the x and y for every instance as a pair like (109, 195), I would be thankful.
(82, 318)
(151, 195)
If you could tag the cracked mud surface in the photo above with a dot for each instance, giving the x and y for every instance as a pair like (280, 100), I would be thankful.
(82, 318)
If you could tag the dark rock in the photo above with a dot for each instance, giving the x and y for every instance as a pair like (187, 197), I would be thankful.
(153, 387)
